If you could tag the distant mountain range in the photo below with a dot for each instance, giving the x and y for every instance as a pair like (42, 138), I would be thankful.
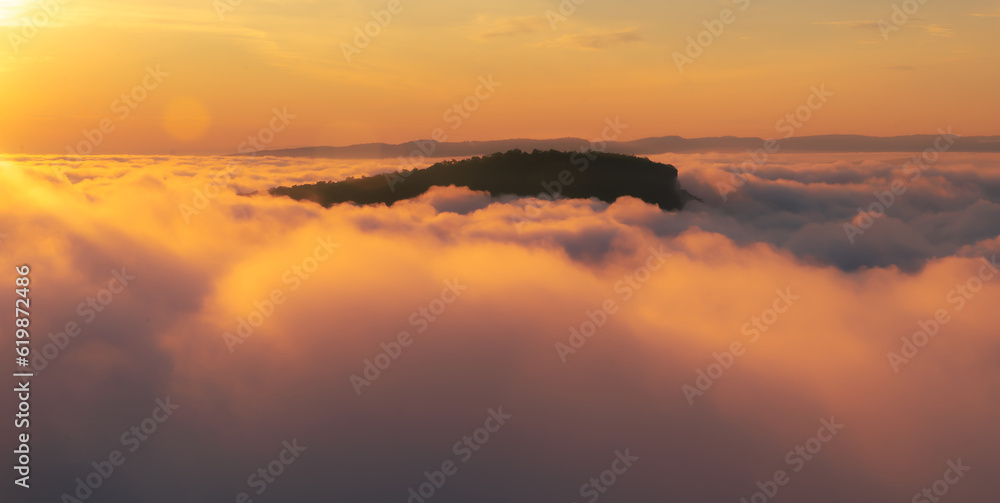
(647, 146)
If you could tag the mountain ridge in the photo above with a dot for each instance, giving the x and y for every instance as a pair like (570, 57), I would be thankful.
(643, 146)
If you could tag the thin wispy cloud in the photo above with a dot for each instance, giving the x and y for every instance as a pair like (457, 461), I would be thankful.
(505, 27)
(596, 39)
(928, 29)
(850, 24)
(937, 31)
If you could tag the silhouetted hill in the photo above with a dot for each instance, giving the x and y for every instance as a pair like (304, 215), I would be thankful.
(568, 174)
(646, 146)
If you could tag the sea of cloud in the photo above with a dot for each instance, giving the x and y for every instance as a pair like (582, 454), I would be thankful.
(711, 343)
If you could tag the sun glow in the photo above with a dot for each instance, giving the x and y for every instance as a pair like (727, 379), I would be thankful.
(11, 11)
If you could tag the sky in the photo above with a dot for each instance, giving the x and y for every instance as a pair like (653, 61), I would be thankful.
(818, 312)
(223, 69)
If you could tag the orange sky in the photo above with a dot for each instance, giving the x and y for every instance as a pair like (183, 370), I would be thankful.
(65, 65)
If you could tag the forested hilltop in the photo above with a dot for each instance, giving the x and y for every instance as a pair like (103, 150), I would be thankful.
(562, 174)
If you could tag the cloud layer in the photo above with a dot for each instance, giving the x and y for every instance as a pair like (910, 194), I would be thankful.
(489, 294)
